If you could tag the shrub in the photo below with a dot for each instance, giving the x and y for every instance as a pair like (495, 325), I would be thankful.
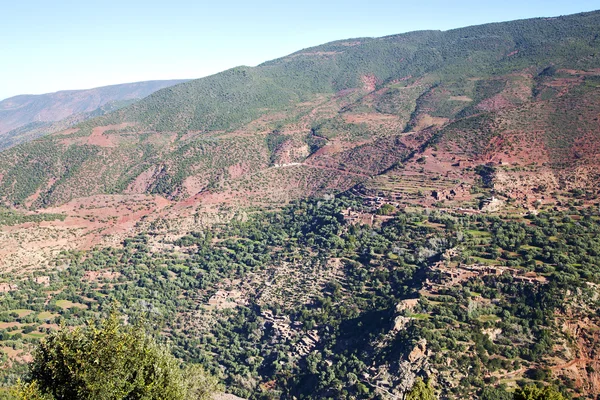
(421, 391)
(108, 360)
(536, 393)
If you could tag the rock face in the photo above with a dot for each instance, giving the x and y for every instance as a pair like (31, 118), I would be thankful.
(394, 380)
(225, 396)
(400, 322)
(580, 359)
(408, 304)
(419, 352)
(492, 205)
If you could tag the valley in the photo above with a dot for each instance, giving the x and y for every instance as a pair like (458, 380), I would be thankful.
(337, 223)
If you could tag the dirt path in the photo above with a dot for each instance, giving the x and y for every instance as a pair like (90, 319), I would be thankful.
(571, 363)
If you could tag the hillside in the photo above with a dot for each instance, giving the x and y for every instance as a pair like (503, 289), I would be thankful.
(185, 139)
(335, 223)
(38, 129)
(26, 117)
(341, 297)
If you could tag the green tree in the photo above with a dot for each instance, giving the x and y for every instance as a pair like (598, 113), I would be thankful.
(6, 394)
(386, 209)
(490, 393)
(108, 360)
(421, 391)
(29, 391)
(536, 393)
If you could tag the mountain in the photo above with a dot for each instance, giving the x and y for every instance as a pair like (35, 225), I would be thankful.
(38, 129)
(36, 113)
(336, 223)
(350, 98)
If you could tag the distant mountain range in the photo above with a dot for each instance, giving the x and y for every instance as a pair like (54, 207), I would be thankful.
(29, 116)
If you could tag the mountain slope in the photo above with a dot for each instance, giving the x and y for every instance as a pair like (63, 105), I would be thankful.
(353, 108)
(41, 110)
(237, 96)
(34, 130)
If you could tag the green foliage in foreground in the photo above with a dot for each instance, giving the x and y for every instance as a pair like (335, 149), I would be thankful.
(535, 393)
(421, 391)
(108, 360)
(528, 392)
(343, 282)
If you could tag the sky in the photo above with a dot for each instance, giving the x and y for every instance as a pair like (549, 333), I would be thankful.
(46, 46)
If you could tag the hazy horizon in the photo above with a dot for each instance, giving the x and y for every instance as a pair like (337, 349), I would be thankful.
(82, 46)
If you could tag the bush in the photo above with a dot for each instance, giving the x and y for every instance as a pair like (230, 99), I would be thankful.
(108, 360)
(28, 329)
(386, 209)
(536, 393)
(421, 391)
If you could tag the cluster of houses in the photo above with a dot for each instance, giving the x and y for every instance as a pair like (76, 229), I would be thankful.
(287, 332)
(453, 275)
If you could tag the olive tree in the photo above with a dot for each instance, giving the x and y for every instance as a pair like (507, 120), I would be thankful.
(108, 360)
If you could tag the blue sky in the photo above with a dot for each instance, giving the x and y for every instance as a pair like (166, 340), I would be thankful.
(47, 46)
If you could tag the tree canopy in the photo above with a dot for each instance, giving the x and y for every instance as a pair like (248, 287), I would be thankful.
(535, 393)
(421, 391)
(108, 360)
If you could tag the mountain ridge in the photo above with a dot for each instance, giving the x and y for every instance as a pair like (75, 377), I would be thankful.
(21, 110)
(111, 86)
(328, 97)
(330, 78)
(315, 106)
